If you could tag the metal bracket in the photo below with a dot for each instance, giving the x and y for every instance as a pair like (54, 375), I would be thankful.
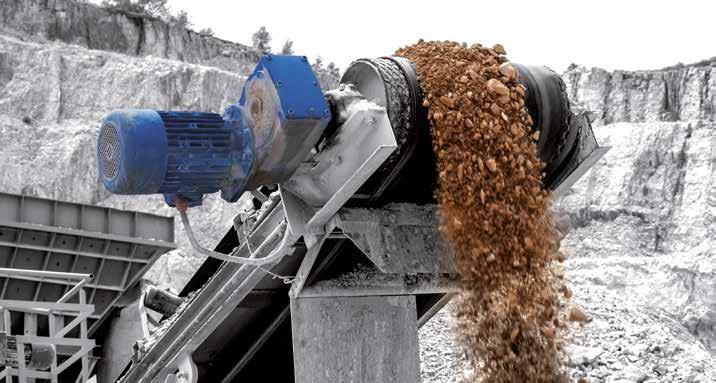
(308, 260)
(399, 238)
(580, 170)
(188, 373)
(364, 283)
(587, 154)
(354, 152)
(297, 212)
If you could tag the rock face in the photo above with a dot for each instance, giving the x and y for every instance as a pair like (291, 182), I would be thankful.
(643, 236)
(681, 93)
(94, 27)
(99, 28)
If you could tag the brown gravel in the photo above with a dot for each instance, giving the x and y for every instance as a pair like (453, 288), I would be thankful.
(494, 211)
(577, 315)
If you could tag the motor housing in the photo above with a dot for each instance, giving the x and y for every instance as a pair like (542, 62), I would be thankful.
(258, 141)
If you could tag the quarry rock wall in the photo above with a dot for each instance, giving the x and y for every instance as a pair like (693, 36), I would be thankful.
(98, 28)
(680, 93)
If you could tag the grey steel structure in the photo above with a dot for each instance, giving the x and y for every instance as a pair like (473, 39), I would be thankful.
(115, 246)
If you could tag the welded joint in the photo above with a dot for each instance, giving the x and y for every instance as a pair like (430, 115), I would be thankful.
(398, 238)
(304, 271)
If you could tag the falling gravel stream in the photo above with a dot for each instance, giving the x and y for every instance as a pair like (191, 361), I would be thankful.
(494, 211)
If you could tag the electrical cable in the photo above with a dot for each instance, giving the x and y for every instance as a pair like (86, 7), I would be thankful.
(276, 254)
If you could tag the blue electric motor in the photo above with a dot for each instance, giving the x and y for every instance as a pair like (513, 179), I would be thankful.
(260, 140)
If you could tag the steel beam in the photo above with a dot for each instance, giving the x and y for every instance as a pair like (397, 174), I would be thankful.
(52, 306)
(88, 234)
(44, 274)
(379, 284)
(68, 283)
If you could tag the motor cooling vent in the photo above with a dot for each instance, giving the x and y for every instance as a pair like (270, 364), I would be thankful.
(108, 152)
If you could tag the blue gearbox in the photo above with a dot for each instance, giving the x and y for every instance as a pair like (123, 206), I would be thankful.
(261, 140)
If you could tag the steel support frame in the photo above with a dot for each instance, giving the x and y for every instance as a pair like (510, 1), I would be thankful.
(233, 282)
(383, 346)
(55, 311)
(203, 313)
(116, 246)
(329, 181)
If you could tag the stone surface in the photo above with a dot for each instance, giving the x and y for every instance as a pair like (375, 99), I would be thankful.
(579, 355)
(94, 27)
(681, 93)
(647, 229)
(441, 359)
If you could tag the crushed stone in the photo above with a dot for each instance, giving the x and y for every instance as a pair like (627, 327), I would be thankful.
(494, 212)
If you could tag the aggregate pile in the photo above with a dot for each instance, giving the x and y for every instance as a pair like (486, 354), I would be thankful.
(494, 211)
